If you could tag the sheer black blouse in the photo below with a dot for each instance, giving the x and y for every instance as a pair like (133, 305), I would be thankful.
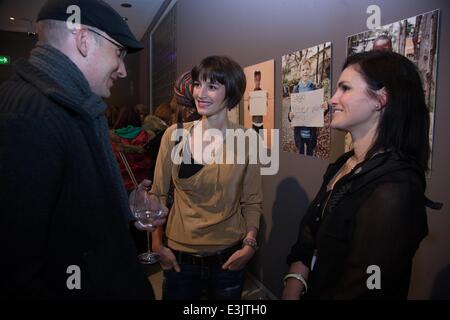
(374, 216)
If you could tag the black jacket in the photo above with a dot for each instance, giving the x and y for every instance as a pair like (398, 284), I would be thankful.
(58, 205)
(374, 216)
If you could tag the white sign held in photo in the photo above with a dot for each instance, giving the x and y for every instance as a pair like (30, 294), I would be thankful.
(258, 103)
(307, 109)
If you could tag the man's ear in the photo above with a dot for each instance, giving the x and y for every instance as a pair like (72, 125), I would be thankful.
(382, 98)
(82, 41)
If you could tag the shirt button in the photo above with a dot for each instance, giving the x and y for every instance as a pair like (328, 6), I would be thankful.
(317, 219)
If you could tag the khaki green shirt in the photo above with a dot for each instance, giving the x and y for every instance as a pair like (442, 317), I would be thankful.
(213, 208)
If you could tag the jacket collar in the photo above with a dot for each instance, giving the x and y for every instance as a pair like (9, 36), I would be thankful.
(379, 165)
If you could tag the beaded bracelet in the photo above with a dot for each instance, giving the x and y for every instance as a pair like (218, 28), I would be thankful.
(250, 242)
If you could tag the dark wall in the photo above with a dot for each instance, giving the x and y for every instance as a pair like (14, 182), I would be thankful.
(253, 31)
(16, 45)
(144, 57)
(144, 70)
(164, 59)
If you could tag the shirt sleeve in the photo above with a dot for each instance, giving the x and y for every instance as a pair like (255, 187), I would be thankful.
(303, 249)
(389, 228)
(251, 199)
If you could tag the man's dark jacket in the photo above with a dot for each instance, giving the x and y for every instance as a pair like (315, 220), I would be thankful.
(59, 207)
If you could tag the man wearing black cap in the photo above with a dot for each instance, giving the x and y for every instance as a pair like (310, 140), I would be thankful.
(64, 212)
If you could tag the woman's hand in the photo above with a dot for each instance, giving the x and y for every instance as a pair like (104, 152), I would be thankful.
(167, 259)
(291, 115)
(239, 259)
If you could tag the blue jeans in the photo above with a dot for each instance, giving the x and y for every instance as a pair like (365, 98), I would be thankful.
(199, 280)
(310, 142)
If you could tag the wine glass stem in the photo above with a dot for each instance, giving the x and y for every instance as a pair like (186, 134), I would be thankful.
(148, 242)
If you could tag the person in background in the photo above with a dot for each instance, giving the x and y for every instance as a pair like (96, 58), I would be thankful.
(181, 108)
(134, 143)
(183, 104)
(155, 127)
(359, 235)
(65, 212)
(142, 110)
(257, 120)
(129, 139)
(213, 224)
(305, 138)
(382, 43)
(165, 113)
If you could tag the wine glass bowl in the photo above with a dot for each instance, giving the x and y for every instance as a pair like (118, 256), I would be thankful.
(146, 211)
(147, 217)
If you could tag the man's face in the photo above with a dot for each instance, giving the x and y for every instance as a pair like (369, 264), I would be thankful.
(106, 66)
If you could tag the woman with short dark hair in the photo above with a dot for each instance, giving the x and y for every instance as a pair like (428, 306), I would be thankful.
(213, 223)
(359, 235)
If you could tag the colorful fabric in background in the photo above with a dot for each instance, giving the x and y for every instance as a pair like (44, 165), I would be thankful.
(132, 146)
(183, 88)
(128, 132)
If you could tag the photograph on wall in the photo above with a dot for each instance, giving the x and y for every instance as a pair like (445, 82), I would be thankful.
(306, 90)
(417, 39)
(259, 99)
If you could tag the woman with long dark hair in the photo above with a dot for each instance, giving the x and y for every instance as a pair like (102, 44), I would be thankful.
(359, 235)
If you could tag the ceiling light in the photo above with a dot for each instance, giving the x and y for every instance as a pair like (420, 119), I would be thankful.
(12, 18)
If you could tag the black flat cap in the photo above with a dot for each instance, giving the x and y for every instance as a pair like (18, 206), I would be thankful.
(94, 13)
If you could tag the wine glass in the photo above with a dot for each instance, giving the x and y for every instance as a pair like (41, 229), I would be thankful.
(146, 211)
